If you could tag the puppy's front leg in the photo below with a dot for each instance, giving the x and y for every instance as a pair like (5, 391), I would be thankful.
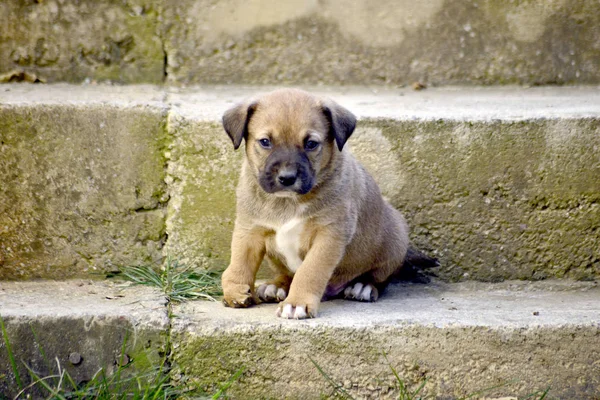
(310, 281)
(247, 252)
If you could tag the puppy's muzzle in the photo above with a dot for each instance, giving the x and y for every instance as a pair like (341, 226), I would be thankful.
(287, 171)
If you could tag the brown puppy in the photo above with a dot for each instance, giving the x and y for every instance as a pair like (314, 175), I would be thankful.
(308, 206)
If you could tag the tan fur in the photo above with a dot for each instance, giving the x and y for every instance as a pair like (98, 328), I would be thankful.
(349, 231)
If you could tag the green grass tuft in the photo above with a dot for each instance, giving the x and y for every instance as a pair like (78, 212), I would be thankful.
(403, 392)
(139, 386)
(178, 282)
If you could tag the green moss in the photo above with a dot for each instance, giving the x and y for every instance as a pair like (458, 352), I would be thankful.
(205, 174)
(501, 201)
(83, 190)
(490, 42)
(207, 360)
(104, 40)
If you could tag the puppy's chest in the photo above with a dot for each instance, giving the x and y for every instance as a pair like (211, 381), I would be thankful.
(288, 242)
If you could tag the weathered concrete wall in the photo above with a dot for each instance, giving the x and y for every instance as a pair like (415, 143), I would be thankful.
(203, 173)
(456, 362)
(391, 42)
(290, 41)
(518, 200)
(81, 189)
(69, 41)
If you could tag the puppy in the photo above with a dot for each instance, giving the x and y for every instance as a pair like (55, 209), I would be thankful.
(306, 205)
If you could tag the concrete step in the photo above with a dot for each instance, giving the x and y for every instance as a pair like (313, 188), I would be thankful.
(498, 183)
(311, 42)
(519, 337)
(513, 338)
(82, 325)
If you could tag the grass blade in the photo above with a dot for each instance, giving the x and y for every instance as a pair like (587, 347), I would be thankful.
(486, 390)
(54, 393)
(11, 356)
(538, 393)
(338, 388)
(228, 384)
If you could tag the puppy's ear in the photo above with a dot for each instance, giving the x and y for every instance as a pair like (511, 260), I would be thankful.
(235, 122)
(341, 122)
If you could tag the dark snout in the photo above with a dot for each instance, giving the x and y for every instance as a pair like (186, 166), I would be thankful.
(287, 170)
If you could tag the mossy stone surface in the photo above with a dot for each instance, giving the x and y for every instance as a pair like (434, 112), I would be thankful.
(83, 326)
(496, 201)
(507, 339)
(71, 41)
(203, 171)
(491, 200)
(349, 42)
(82, 189)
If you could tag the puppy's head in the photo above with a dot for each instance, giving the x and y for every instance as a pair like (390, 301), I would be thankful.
(291, 138)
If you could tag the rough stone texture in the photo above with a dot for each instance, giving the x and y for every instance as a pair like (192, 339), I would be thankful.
(385, 42)
(202, 178)
(516, 200)
(460, 338)
(499, 183)
(46, 321)
(82, 188)
(317, 42)
(489, 186)
(70, 41)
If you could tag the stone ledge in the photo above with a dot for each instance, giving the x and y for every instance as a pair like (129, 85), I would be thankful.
(461, 338)
(208, 102)
(49, 320)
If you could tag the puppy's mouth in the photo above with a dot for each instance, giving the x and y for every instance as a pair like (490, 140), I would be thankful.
(286, 184)
(286, 178)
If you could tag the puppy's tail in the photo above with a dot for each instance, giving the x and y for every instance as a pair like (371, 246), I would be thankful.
(416, 267)
(417, 259)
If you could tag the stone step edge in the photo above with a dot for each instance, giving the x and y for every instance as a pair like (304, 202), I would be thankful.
(207, 103)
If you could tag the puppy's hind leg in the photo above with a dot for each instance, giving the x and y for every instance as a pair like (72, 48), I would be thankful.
(370, 285)
(361, 290)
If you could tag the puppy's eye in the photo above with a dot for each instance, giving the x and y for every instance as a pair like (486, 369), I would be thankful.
(311, 145)
(265, 143)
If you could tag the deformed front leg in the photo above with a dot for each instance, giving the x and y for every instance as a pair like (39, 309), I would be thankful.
(247, 252)
(311, 279)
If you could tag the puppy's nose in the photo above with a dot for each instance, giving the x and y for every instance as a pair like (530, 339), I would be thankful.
(287, 178)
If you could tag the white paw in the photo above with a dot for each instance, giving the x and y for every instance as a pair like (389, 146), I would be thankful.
(361, 292)
(270, 293)
(281, 294)
(288, 311)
